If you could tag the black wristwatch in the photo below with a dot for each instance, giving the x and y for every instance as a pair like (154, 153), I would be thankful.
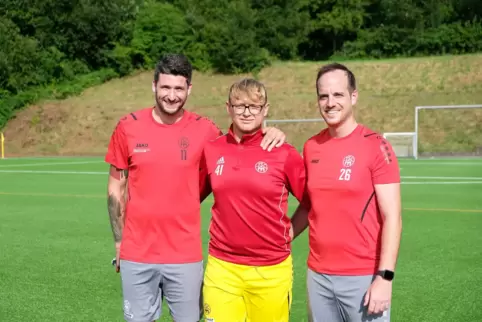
(386, 274)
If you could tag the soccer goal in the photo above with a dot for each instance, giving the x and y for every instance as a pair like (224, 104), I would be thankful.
(463, 128)
(441, 131)
(403, 143)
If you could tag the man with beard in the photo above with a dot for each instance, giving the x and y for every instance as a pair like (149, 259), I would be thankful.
(154, 198)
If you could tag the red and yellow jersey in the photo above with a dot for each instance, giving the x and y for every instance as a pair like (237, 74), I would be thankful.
(162, 221)
(345, 222)
(249, 222)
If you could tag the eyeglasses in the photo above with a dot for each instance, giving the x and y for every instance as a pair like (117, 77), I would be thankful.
(253, 109)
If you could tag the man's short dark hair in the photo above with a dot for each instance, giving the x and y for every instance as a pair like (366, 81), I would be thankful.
(174, 64)
(336, 66)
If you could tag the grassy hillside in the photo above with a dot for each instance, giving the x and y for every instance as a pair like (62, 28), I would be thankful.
(389, 90)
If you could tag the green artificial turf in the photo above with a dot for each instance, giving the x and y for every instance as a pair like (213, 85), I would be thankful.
(56, 244)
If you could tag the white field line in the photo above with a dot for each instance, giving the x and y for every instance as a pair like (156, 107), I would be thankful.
(53, 172)
(60, 157)
(440, 163)
(46, 164)
(443, 182)
(474, 180)
(442, 178)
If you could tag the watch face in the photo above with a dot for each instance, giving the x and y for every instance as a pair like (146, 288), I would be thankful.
(388, 275)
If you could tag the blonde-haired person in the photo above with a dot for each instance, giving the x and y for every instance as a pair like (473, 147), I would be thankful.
(249, 271)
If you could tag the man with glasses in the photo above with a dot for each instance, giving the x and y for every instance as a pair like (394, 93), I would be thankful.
(249, 271)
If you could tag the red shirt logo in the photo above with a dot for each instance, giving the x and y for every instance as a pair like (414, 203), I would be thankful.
(183, 142)
(261, 167)
(348, 161)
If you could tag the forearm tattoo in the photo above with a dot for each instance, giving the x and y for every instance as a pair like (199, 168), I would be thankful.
(115, 216)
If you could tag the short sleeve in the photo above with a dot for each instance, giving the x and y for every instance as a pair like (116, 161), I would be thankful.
(295, 174)
(213, 131)
(204, 182)
(117, 151)
(385, 167)
(305, 201)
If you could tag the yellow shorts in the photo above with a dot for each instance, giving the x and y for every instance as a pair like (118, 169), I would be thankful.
(239, 293)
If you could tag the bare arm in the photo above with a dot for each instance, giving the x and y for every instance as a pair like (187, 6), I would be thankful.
(386, 177)
(204, 181)
(117, 188)
(296, 178)
(299, 220)
(389, 201)
(379, 294)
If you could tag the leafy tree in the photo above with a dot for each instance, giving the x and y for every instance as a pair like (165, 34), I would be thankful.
(332, 22)
(281, 25)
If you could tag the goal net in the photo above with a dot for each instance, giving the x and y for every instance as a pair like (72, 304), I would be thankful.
(298, 131)
(448, 130)
(403, 143)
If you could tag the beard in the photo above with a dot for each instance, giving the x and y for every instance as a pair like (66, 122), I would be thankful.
(168, 111)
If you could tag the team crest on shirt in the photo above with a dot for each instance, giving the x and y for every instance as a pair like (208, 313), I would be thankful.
(183, 142)
(261, 167)
(183, 145)
(348, 161)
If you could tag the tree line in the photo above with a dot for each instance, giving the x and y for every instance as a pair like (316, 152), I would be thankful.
(55, 48)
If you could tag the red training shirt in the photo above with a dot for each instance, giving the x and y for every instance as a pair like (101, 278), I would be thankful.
(249, 222)
(345, 222)
(162, 220)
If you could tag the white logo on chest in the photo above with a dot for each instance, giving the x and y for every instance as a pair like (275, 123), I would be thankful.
(348, 161)
(345, 172)
(219, 166)
(261, 167)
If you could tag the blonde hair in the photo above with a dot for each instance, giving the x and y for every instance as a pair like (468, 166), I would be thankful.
(249, 87)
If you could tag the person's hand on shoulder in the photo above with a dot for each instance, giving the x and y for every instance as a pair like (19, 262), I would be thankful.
(273, 137)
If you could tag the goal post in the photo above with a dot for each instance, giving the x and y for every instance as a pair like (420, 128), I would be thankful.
(266, 121)
(407, 144)
(428, 107)
(299, 130)
(403, 143)
(2, 145)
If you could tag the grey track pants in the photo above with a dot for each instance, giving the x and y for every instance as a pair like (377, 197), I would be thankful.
(335, 298)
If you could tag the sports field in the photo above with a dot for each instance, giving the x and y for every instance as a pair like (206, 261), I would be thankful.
(56, 243)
